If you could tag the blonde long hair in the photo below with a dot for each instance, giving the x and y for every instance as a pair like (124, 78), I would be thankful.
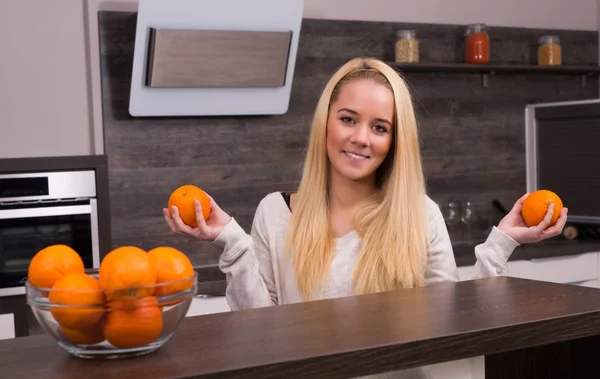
(392, 224)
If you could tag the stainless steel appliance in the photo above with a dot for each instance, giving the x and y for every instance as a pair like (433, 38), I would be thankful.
(562, 154)
(42, 209)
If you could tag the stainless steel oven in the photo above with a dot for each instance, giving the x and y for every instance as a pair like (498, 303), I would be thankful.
(42, 209)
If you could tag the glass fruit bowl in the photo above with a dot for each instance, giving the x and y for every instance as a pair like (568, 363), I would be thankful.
(112, 323)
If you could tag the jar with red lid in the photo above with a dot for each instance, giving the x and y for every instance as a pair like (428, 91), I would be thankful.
(477, 44)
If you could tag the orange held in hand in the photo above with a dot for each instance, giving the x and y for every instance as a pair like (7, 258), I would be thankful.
(171, 265)
(183, 198)
(133, 323)
(536, 205)
(52, 263)
(74, 290)
(124, 268)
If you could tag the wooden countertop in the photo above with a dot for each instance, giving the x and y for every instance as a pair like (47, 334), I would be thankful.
(359, 335)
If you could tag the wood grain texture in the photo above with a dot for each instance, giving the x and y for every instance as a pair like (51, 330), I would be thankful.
(570, 359)
(497, 68)
(360, 335)
(472, 138)
(217, 58)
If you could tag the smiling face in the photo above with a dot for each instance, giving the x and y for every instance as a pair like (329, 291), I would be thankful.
(360, 129)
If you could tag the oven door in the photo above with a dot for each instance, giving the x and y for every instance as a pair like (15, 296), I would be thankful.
(25, 229)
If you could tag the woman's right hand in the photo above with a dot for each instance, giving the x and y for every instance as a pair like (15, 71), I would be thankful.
(207, 230)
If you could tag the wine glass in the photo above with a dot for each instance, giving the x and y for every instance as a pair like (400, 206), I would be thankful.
(468, 218)
(452, 216)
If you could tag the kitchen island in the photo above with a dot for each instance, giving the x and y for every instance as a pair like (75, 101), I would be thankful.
(525, 329)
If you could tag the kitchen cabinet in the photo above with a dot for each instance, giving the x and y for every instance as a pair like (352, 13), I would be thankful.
(569, 269)
(576, 269)
(14, 313)
(470, 368)
(208, 305)
(7, 326)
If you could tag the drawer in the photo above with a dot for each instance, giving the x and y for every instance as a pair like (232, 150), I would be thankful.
(465, 272)
(7, 326)
(203, 306)
(563, 269)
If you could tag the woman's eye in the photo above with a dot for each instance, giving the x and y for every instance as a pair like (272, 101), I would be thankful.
(347, 120)
(381, 128)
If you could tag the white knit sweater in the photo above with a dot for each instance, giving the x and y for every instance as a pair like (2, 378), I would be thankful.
(258, 276)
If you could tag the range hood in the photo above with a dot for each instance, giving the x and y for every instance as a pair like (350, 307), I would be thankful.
(214, 58)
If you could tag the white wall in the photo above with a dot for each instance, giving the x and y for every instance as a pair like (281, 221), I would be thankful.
(49, 90)
(556, 14)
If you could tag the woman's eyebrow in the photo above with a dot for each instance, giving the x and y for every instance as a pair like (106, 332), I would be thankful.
(355, 112)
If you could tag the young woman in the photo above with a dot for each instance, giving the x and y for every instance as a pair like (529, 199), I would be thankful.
(360, 221)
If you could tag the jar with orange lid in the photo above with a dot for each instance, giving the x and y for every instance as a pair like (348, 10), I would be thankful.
(477, 44)
(549, 51)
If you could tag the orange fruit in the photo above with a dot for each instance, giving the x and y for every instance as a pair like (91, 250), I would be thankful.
(183, 198)
(52, 263)
(171, 264)
(85, 336)
(536, 205)
(74, 290)
(125, 268)
(133, 323)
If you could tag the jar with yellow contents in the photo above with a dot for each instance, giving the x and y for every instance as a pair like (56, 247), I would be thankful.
(549, 51)
(407, 47)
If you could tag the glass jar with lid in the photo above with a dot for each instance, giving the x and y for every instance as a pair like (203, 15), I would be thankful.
(477, 44)
(549, 51)
(407, 46)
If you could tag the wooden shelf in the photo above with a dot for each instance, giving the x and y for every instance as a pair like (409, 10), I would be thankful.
(488, 70)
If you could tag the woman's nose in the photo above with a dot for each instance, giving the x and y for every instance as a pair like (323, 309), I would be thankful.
(360, 136)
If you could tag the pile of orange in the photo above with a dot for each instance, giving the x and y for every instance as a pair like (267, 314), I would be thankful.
(536, 205)
(121, 305)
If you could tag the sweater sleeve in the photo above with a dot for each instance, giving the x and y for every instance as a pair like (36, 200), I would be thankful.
(491, 256)
(246, 263)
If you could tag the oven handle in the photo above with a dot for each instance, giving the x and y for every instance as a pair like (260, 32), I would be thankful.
(95, 233)
(45, 212)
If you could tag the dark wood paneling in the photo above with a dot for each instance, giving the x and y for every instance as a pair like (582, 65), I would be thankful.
(550, 328)
(472, 137)
(497, 68)
(570, 359)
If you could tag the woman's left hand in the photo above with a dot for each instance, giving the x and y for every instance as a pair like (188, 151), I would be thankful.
(515, 227)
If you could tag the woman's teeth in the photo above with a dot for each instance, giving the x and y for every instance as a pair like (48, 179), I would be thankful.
(355, 155)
